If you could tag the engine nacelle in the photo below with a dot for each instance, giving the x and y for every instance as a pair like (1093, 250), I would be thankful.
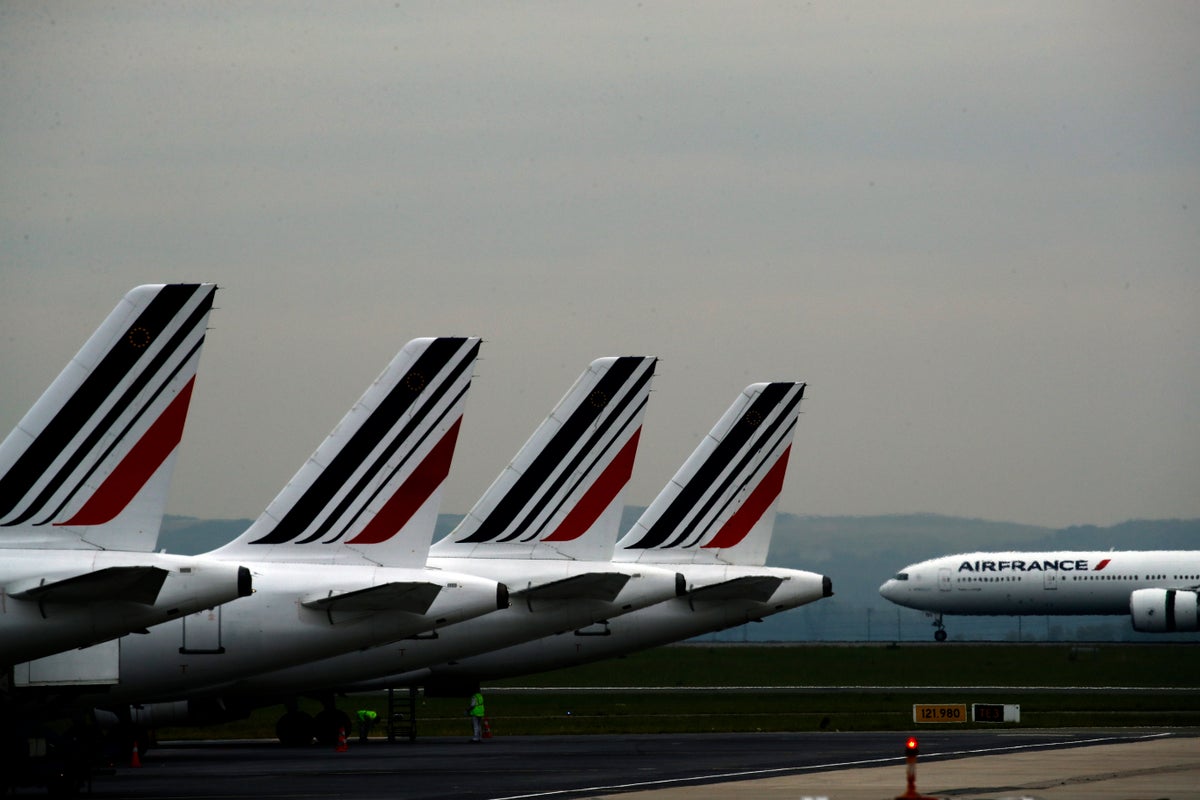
(1165, 610)
(206, 711)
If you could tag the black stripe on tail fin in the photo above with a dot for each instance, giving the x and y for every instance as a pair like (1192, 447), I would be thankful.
(420, 393)
(738, 460)
(99, 416)
(590, 431)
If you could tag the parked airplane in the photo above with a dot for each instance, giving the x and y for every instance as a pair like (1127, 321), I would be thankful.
(339, 556)
(546, 528)
(712, 523)
(83, 487)
(1157, 589)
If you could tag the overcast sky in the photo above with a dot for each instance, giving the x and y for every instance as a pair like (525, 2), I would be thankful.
(973, 228)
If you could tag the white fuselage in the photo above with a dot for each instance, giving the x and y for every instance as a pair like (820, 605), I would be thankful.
(672, 620)
(528, 617)
(30, 629)
(273, 629)
(1061, 582)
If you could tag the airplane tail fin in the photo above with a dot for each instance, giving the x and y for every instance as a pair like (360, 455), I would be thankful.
(371, 492)
(90, 464)
(561, 496)
(720, 506)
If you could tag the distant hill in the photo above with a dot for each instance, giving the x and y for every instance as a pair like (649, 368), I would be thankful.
(860, 553)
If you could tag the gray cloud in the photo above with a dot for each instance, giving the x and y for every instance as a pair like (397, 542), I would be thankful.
(971, 228)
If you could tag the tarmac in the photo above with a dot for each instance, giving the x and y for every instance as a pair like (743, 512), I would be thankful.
(1156, 769)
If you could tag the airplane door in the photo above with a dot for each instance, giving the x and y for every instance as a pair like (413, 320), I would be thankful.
(944, 579)
(202, 632)
(1050, 581)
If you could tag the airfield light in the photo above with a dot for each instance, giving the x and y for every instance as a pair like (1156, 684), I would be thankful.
(910, 751)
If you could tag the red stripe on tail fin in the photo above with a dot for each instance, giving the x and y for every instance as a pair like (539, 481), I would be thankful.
(601, 493)
(124, 482)
(424, 481)
(737, 526)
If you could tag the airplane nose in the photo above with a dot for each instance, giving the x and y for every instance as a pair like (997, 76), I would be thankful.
(887, 589)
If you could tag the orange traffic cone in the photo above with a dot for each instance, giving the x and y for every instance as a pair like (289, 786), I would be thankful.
(135, 759)
(487, 729)
(341, 745)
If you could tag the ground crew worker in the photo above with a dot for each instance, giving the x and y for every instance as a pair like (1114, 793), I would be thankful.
(475, 712)
(366, 720)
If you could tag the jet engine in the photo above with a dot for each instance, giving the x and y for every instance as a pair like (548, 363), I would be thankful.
(1165, 610)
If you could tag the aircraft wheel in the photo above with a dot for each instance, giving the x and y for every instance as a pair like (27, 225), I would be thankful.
(327, 723)
(295, 729)
(939, 635)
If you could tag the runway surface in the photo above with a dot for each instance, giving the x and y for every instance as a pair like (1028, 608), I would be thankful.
(839, 766)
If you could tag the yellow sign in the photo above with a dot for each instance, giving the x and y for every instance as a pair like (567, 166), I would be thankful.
(939, 713)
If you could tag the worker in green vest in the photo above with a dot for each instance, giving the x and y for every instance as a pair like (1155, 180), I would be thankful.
(366, 720)
(475, 712)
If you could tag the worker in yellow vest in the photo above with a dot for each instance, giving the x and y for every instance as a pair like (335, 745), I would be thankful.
(475, 712)
(366, 720)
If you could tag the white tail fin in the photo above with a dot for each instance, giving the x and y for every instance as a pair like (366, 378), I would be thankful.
(561, 497)
(372, 490)
(720, 506)
(90, 464)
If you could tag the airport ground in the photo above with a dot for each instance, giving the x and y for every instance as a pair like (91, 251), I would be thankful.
(1110, 722)
(975, 765)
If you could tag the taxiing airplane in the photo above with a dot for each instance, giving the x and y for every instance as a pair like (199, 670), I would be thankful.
(1158, 590)
(83, 487)
(546, 528)
(338, 557)
(712, 523)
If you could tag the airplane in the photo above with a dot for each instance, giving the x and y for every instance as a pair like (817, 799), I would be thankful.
(83, 487)
(712, 523)
(1157, 589)
(338, 557)
(546, 528)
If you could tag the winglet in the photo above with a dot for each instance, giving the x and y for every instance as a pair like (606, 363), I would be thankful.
(720, 506)
(371, 492)
(561, 496)
(89, 465)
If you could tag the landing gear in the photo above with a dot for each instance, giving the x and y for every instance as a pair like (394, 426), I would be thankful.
(330, 722)
(295, 728)
(939, 635)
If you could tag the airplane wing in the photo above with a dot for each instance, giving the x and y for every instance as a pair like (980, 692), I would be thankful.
(414, 597)
(588, 586)
(129, 584)
(758, 588)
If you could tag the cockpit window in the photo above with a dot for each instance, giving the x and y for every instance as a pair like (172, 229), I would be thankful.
(901, 576)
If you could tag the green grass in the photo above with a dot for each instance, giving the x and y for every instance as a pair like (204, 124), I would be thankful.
(540, 704)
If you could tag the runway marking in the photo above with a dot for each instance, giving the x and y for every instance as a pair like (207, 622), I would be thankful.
(839, 688)
(822, 767)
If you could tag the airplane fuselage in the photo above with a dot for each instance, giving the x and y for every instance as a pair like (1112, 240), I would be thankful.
(530, 615)
(280, 625)
(1051, 583)
(34, 624)
(672, 620)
